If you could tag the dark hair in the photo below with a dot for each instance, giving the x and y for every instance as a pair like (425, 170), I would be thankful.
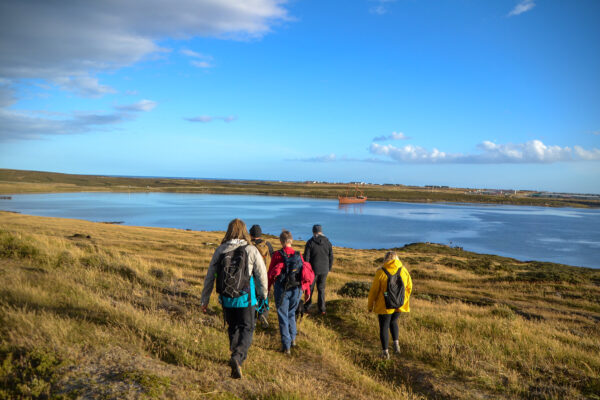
(317, 228)
(286, 236)
(255, 231)
(236, 230)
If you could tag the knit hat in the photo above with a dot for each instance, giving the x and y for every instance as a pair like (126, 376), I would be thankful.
(317, 228)
(255, 231)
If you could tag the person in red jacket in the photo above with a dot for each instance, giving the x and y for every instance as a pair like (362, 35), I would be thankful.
(290, 276)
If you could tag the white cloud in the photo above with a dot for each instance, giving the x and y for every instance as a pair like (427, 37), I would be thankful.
(201, 64)
(597, 133)
(393, 136)
(142, 105)
(16, 125)
(326, 158)
(521, 7)
(201, 60)
(195, 54)
(381, 6)
(533, 151)
(48, 40)
(7, 93)
(68, 42)
(19, 125)
(209, 118)
(84, 86)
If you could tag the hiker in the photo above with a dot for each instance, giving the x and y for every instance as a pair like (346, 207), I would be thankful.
(241, 280)
(319, 253)
(263, 246)
(389, 296)
(266, 251)
(291, 276)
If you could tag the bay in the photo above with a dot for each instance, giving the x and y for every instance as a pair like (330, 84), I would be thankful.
(563, 235)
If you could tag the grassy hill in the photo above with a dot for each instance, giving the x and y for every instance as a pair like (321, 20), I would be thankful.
(91, 310)
(17, 181)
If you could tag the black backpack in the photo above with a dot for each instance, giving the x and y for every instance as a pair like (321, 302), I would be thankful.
(291, 274)
(394, 294)
(233, 279)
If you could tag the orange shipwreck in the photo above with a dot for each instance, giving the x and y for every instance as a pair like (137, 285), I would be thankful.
(358, 197)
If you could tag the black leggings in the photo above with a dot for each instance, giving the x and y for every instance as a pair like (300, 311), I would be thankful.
(388, 322)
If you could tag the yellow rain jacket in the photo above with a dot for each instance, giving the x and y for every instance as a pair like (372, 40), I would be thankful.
(376, 299)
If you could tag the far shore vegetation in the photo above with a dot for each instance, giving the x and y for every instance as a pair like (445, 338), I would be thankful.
(17, 181)
(92, 310)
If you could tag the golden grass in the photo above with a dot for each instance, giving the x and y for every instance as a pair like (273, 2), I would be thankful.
(116, 315)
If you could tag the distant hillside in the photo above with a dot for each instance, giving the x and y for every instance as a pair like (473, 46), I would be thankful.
(91, 310)
(16, 181)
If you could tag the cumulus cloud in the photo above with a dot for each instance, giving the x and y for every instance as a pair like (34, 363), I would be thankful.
(533, 151)
(209, 118)
(18, 125)
(393, 136)
(521, 7)
(43, 39)
(142, 105)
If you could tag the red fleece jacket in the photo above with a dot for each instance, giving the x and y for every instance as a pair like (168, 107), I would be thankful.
(308, 276)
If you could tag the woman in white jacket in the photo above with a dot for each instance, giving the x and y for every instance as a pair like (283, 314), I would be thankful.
(241, 277)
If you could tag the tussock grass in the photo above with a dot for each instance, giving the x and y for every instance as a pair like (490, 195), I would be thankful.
(93, 310)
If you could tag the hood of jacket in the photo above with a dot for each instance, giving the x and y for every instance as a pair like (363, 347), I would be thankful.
(318, 239)
(392, 266)
(232, 244)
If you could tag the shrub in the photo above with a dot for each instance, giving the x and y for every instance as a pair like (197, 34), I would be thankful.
(12, 246)
(355, 289)
(27, 373)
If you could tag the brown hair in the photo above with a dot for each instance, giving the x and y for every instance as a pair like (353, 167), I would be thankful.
(285, 236)
(390, 255)
(237, 230)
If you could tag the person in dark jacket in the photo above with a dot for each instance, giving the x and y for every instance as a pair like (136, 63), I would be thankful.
(319, 253)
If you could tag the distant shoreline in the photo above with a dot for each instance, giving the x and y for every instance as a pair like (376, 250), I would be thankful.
(24, 182)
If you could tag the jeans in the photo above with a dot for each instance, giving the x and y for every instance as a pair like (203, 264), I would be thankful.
(240, 328)
(287, 301)
(319, 281)
(388, 322)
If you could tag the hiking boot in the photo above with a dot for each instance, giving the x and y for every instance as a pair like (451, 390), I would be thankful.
(397, 346)
(263, 321)
(285, 351)
(236, 369)
(385, 354)
(293, 343)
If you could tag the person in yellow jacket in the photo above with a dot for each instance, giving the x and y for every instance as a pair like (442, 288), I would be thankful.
(388, 317)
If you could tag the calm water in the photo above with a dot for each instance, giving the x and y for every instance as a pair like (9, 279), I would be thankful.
(565, 235)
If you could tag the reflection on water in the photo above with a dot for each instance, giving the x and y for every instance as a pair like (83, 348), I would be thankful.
(565, 235)
(352, 208)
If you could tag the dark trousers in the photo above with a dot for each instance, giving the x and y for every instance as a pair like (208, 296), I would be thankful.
(319, 281)
(388, 323)
(240, 328)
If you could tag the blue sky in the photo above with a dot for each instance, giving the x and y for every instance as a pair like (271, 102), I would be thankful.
(466, 93)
